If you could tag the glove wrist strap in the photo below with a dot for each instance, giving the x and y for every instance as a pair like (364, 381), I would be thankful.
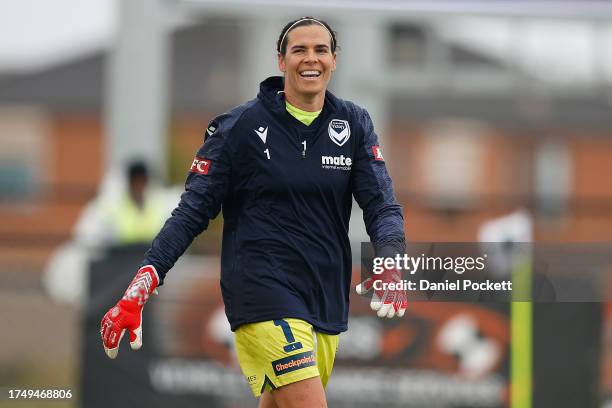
(143, 284)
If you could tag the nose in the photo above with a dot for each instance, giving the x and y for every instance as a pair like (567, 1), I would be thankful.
(311, 56)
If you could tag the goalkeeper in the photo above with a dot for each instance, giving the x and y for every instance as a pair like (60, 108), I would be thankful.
(284, 168)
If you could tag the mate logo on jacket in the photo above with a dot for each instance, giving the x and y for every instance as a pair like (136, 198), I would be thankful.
(339, 131)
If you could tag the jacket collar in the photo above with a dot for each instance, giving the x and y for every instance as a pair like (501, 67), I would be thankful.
(272, 95)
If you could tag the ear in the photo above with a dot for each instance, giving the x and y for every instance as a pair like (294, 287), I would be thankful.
(281, 63)
(334, 62)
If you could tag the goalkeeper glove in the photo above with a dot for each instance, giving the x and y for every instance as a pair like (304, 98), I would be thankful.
(127, 313)
(387, 302)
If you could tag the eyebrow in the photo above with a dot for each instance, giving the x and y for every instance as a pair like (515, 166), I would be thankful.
(316, 46)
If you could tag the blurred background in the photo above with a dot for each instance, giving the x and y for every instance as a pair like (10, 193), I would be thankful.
(495, 119)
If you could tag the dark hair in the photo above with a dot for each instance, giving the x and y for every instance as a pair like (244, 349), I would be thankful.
(281, 44)
(137, 169)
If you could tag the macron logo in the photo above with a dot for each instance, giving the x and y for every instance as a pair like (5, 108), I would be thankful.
(336, 162)
(262, 133)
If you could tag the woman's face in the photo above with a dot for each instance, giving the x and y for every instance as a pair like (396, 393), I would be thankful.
(308, 62)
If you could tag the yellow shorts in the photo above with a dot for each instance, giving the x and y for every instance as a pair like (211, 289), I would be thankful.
(280, 352)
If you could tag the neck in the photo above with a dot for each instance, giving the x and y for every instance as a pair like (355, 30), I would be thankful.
(310, 103)
(137, 199)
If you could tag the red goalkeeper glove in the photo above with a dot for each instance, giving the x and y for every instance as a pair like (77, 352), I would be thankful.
(387, 302)
(127, 313)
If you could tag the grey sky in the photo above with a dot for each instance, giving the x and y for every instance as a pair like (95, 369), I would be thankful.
(36, 33)
(39, 33)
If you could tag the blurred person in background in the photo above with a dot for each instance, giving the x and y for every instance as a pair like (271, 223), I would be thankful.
(284, 167)
(138, 215)
(129, 210)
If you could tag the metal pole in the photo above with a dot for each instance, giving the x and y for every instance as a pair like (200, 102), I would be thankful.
(136, 105)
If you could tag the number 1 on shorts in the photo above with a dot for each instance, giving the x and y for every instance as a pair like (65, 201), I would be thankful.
(293, 345)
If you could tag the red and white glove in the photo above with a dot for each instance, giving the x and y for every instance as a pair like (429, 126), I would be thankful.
(127, 313)
(387, 302)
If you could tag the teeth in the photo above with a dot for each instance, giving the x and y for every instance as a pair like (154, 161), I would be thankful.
(310, 73)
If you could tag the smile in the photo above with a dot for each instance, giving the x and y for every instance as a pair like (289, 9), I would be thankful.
(310, 74)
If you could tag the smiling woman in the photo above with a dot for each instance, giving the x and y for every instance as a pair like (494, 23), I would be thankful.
(284, 167)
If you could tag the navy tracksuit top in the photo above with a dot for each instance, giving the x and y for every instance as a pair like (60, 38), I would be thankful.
(286, 192)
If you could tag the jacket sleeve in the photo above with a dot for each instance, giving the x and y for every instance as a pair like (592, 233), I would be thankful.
(205, 189)
(372, 188)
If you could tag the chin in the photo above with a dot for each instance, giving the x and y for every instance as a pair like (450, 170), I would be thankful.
(311, 91)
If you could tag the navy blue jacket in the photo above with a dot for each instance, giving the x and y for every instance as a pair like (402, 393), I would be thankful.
(286, 191)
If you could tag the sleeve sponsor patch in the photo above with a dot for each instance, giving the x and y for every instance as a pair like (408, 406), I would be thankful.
(377, 153)
(200, 165)
(294, 362)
